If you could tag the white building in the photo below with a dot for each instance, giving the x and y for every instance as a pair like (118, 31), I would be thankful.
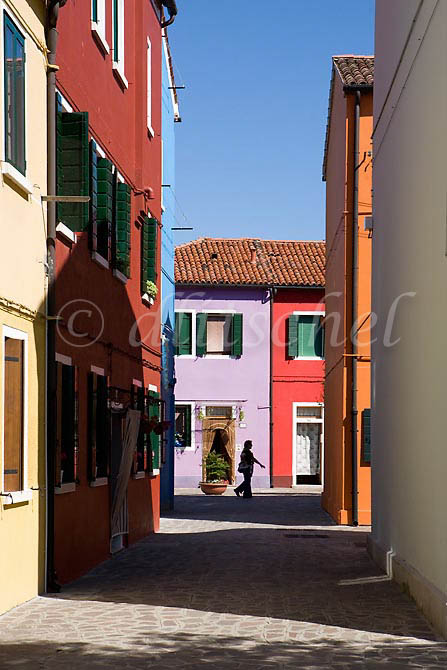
(409, 371)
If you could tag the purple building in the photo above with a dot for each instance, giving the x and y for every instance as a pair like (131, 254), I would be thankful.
(223, 358)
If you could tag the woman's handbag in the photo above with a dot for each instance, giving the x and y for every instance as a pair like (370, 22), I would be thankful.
(243, 467)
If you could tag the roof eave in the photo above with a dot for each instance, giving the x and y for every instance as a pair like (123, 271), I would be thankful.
(265, 285)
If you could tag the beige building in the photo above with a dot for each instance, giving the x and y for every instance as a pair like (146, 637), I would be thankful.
(22, 300)
(409, 357)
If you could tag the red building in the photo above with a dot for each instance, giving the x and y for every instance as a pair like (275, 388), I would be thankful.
(298, 370)
(107, 274)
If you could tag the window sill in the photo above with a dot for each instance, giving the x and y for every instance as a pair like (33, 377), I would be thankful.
(148, 299)
(308, 358)
(119, 275)
(154, 473)
(100, 38)
(100, 260)
(69, 487)
(17, 177)
(15, 497)
(119, 74)
(150, 131)
(100, 481)
(139, 475)
(66, 233)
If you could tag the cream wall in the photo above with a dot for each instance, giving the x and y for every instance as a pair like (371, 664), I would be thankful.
(409, 255)
(22, 304)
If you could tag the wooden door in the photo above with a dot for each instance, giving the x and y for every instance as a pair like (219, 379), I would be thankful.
(209, 427)
(13, 414)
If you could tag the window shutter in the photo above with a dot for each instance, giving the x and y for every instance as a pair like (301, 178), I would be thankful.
(102, 428)
(183, 333)
(236, 335)
(366, 435)
(144, 255)
(201, 321)
(121, 241)
(93, 195)
(13, 415)
(188, 426)
(152, 250)
(104, 211)
(154, 410)
(68, 426)
(92, 421)
(319, 339)
(292, 336)
(73, 168)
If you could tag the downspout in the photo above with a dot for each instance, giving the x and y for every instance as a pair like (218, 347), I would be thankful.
(51, 37)
(355, 273)
(272, 291)
(172, 9)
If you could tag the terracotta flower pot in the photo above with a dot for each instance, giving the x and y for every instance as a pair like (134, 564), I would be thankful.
(213, 489)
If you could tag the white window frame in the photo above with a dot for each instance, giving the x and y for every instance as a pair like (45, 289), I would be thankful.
(217, 357)
(25, 494)
(99, 26)
(192, 404)
(150, 130)
(309, 313)
(307, 419)
(193, 332)
(118, 65)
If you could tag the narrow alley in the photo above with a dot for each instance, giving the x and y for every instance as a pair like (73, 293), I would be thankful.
(262, 583)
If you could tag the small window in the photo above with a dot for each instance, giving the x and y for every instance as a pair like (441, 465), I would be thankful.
(14, 89)
(183, 429)
(98, 427)
(218, 334)
(220, 412)
(183, 333)
(118, 40)
(140, 457)
(149, 87)
(67, 425)
(305, 336)
(13, 437)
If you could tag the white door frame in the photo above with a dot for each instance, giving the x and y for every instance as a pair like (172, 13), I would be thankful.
(304, 419)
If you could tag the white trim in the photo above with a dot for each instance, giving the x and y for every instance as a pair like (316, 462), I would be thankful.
(15, 497)
(100, 39)
(155, 472)
(100, 260)
(149, 88)
(97, 371)
(136, 382)
(139, 475)
(27, 493)
(309, 313)
(319, 313)
(193, 312)
(65, 231)
(101, 481)
(119, 275)
(120, 177)
(101, 153)
(17, 177)
(218, 311)
(65, 360)
(64, 103)
(118, 71)
(99, 26)
(151, 131)
(118, 65)
(175, 108)
(148, 299)
(152, 387)
(298, 419)
(69, 487)
(216, 357)
(192, 404)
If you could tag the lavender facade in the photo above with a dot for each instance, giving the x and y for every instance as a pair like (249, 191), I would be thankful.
(223, 379)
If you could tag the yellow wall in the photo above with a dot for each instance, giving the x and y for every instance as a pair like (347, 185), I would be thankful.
(22, 304)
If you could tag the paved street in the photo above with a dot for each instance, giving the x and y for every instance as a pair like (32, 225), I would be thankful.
(229, 583)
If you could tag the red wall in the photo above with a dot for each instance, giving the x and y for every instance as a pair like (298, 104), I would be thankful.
(118, 122)
(293, 380)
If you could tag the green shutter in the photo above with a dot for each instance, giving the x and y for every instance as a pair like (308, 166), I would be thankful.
(115, 31)
(307, 334)
(188, 427)
(104, 210)
(149, 236)
(366, 436)
(102, 427)
(319, 339)
(92, 421)
(93, 195)
(68, 422)
(201, 321)
(121, 241)
(154, 410)
(183, 333)
(95, 11)
(236, 335)
(292, 336)
(73, 168)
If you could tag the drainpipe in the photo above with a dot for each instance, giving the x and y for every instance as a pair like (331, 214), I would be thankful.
(355, 274)
(51, 36)
(272, 291)
(172, 9)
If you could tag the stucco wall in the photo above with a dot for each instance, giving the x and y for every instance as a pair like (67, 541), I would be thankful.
(408, 430)
(243, 381)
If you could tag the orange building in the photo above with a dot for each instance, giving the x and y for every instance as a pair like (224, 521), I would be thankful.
(347, 171)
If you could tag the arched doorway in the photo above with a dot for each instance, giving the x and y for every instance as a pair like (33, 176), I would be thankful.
(219, 436)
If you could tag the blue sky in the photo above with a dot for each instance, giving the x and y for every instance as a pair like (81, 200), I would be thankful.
(250, 148)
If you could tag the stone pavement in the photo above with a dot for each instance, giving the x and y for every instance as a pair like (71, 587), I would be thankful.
(229, 583)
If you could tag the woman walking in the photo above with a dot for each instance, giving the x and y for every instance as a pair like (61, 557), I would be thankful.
(246, 468)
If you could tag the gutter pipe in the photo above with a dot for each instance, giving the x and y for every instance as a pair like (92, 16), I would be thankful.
(172, 9)
(51, 37)
(354, 313)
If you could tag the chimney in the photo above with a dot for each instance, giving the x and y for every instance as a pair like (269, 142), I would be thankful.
(253, 256)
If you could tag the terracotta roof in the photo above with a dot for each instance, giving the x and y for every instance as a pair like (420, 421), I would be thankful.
(250, 262)
(355, 70)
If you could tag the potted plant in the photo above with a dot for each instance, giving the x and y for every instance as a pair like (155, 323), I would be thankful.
(151, 289)
(216, 469)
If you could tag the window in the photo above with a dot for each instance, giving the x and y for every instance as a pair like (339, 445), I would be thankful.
(149, 88)
(14, 88)
(366, 436)
(14, 414)
(305, 336)
(219, 334)
(99, 24)
(154, 438)
(140, 458)
(118, 41)
(149, 240)
(183, 426)
(183, 334)
(121, 227)
(67, 424)
(98, 424)
(72, 167)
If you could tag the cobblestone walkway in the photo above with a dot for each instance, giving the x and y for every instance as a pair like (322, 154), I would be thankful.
(229, 583)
